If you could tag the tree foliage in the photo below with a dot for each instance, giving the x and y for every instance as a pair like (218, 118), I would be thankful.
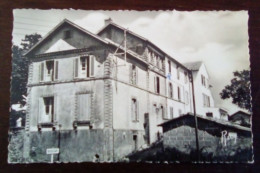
(20, 68)
(239, 90)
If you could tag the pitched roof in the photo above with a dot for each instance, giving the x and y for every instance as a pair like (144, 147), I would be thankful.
(59, 25)
(240, 112)
(140, 37)
(194, 66)
(203, 118)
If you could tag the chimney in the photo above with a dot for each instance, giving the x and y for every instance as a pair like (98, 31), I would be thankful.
(107, 21)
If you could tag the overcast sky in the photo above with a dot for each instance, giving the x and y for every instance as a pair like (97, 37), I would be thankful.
(218, 38)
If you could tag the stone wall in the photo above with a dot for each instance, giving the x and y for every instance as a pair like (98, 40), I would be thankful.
(75, 146)
(180, 136)
(183, 138)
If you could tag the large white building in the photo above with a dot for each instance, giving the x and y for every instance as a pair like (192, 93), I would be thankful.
(102, 96)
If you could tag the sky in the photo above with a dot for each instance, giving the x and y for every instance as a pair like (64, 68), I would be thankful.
(218, 38)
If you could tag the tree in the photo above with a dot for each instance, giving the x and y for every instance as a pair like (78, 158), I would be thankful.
(20, 68)
(239, 90)
(30, 40)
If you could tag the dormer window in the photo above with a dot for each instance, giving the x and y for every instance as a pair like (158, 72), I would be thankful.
(67, 34)
(203, 80)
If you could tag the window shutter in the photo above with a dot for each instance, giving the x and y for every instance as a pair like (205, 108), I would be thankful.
(137, 110)
(40, 110)
(88, 66)
(56, 69)
(155, 84)
(130, 74)
(136, 73)
(132, 109)
(76, 61)
(83, 107)
(41, 71)
(92, 62)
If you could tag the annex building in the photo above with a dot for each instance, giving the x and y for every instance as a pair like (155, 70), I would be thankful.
(102, 96)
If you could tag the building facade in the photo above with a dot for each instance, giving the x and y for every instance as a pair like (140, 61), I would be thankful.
(99, 97)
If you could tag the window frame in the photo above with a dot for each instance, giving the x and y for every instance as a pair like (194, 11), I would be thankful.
(89, 71)
(134, 109)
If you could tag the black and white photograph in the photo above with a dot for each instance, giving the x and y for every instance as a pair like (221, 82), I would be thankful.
(130, 86)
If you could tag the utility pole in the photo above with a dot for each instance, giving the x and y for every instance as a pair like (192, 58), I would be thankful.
(195, 118)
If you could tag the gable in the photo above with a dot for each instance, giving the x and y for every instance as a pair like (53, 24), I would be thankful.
(79, 38)
(116, 34)
(60, 45)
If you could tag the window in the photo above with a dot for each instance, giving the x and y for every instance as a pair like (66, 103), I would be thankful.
(83, 107)
(180, 112)
(48, 112)
(179, 93)
(169, 66)
(171, 112)
(152, 58)
(47, 70)
(203, 80)
(84, 66)
(157, 62)
(170, 90)
(178, 73)
(67, 34)
(209, 114)
(134, 110)
(50, 72)
(133, 74)
(162, 112)
(135, 142)
(157, 84)
(149, 57)
(206, 100)
(160, 63)
(186, 77)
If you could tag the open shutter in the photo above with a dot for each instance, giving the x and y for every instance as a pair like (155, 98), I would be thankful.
(155, 84)
(137, 110)
(56, 69)
(76, 62)
(88, 66)
(92, 66)
(136, 75)
(40, 110)
(132, 109)
(130, 74)
(41, 71)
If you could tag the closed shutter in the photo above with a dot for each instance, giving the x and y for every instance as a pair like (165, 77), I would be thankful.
(92, 62)
(76, 62)
(155, 84)
(130, 74)
(83, 107)
(41, 71)
(56, 69)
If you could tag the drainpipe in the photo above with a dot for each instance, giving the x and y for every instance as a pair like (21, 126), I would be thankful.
(195, 117)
